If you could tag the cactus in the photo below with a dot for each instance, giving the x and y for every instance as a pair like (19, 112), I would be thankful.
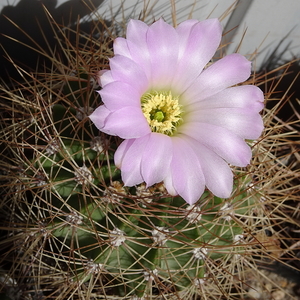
(129, 239)
(73, 231)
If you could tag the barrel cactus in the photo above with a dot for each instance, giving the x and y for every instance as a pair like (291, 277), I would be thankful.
(74, 231)
(97, 233)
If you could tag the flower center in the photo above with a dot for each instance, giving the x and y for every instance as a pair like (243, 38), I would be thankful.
(162, 111)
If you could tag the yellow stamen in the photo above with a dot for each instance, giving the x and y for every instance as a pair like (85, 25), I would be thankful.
(162, 111)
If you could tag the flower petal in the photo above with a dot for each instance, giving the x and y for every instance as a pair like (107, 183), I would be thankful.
(230, 70)
(137, 44)
(127, 123)
(126, 70)
(128, 158)
(241, 122)
(184, 31)
(137, 32)
(121, 47)
(163, 45)
(156, 158)
(121, 151)
(187, 177)
(217, 173)
(104, 77)
(168, 182)
(99, 115)
(248, 97)
(221, 141)
(118, 94)
(203, 40)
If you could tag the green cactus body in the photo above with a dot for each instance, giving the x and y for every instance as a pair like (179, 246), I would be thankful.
(135, 242)
(129, 240)
(137, 238)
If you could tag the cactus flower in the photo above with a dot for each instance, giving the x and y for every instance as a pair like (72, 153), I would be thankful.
(183, 119)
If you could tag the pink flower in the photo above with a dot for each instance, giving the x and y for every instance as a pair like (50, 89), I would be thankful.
(182, 121)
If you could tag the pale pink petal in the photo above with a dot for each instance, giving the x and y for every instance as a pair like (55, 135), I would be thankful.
(121, 151)
(156, 158)
(217, 173)
(245, 124)
(187, 177)
(137, 33)
(126, 70)
(118, 94)
(203, 40)
(104, 77)
(99, 115)
(137, 44)
(127, 123)
(121, 47)
(228, 71)
(249, 97)
(183, 30)
(168, 182)
(163, 45)
(129, 158)
(224, 143)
